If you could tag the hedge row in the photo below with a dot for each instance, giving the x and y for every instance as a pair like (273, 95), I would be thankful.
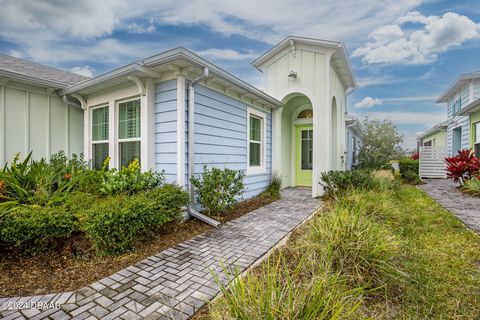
(113, 223)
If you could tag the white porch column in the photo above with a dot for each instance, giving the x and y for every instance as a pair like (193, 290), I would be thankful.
(277, 143)
(181, 130)
(147, 128)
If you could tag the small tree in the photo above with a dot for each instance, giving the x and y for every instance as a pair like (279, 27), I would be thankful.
(378, 145)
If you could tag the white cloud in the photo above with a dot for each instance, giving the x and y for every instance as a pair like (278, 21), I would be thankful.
(86, 71)
(364, 82)
(137, 28)
(409, 118)
(227, 54)
(431, 36)
(35, 25)
(368, 102)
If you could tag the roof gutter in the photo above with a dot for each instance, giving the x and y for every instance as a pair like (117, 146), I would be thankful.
(191, 150)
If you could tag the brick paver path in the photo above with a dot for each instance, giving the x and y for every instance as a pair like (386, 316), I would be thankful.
(464, 206)
(175, 283)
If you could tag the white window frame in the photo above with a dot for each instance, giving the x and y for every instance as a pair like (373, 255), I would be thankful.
(117, 130)
(261, 169)
(91, 142)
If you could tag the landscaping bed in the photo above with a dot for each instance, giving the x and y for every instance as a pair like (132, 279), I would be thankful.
(64, 225)
(60, 269)
(380, 249)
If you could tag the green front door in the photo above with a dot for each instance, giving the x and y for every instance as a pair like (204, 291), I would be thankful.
(303, 155)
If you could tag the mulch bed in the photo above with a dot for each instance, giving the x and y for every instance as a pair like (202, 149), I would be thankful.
(73, 264)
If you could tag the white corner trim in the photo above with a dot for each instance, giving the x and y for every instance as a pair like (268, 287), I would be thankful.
(181, 131)
(147, 126)
(262, 169)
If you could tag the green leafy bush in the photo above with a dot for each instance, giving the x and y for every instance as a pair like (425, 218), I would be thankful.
(130, 180)
(408, 165)
(338, 182)
(218, 189)
(409, 170)
(32, 227)
(117, 222)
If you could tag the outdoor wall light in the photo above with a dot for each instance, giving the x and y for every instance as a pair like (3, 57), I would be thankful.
(292, 74)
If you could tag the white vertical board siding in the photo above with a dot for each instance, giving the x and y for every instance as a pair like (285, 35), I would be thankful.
(221, 137)
(166, 129)
(34, 121)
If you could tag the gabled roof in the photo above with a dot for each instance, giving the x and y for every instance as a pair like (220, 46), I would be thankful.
(436, 128)
(458, 84)
(339, 57)
(175, 58)
(35, 73)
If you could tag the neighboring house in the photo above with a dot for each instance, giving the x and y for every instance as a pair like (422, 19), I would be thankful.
(32, 115)
(176, 112)
(354, 141)
(472, 110)
(435, 136)
(463, 113)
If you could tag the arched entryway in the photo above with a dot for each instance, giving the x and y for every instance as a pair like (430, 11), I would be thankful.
(297, 141)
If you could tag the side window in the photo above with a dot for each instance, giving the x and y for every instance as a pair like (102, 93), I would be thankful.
(100, 136)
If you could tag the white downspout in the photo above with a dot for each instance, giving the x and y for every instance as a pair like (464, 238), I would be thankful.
(191, 149)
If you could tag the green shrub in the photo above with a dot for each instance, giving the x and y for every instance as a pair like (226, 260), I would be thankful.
(276, 291)
(274, 187)
(33, 228)
(407, 164)
(130, 180)
(411, 177)
(472, 186)
(116, 223)
(356, 246)
(218, 189)
(338, 182)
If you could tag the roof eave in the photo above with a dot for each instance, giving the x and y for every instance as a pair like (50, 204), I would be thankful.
(20, 77)
(470, 108)
(178, 53)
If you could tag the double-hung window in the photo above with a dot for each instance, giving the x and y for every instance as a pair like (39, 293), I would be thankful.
(100, 124)
(129, 132)
(256, 142)
(476, 137)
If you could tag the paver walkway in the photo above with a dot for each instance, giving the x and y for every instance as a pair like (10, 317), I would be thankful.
(464, 206)
(175, 283)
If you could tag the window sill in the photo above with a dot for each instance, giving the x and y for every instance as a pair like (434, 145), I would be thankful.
(256, 171)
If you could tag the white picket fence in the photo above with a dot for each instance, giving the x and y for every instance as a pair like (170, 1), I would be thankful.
(432, 162)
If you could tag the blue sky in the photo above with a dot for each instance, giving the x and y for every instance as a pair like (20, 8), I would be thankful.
(404, 53)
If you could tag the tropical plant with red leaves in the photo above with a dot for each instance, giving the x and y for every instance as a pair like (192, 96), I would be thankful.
(415, 156)
(463, 166)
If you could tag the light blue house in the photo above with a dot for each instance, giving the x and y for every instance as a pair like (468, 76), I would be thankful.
(177, 112)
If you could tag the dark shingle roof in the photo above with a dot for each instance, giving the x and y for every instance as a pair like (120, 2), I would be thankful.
(39, 71)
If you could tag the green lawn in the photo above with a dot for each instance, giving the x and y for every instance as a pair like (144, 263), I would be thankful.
(388, 253)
